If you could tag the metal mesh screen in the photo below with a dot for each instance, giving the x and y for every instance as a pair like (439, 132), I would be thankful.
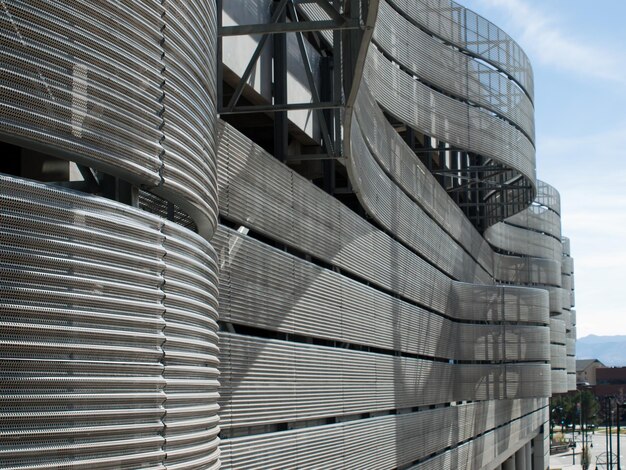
(103, 307)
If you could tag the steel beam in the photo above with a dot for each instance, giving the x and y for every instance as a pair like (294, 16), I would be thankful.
(280, 28)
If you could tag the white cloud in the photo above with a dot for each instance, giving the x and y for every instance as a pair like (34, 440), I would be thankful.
(544, 40)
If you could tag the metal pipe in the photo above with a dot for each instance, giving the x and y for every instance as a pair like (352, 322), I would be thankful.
(619, 463)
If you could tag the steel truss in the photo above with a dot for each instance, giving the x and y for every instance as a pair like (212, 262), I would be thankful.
(334, 28)
(485, 190)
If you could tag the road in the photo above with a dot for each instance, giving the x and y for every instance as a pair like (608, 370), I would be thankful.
(564, 461)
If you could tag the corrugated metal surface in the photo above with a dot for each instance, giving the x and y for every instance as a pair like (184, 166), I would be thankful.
(381, 442)
(398, 161)
(109, 349)
(490, 449)
(526, 270)
(267, 288)
(101, 303)
(522, 241)
(452, 121)
(394, 210)
(456, 24)
(126, 87)
(110, 341)
(259, 192)
(270, 381)
(451, 70)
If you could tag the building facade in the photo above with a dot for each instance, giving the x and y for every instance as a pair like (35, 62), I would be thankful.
(586, 371)
(274, 234)
(611, 382)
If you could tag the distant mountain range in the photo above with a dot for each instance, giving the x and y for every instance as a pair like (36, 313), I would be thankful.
(610, 350)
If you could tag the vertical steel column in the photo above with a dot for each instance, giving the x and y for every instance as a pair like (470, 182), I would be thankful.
(606, 431)
(326, 94)
(219, 57)
(609, 412)
(336, 86)
(619, 415)
(279, 82)
(119, 190)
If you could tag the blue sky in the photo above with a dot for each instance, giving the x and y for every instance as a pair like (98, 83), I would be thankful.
(578, 52)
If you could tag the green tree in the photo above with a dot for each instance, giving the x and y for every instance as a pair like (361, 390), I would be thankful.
(565, 409)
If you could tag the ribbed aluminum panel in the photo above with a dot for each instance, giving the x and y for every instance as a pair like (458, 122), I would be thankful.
(566, 246)
(548, 196)
(507, 303)
(454, 23)
(564, 316)
(267, 288)
(265, 381)
(566, 284)
(567, 265)
(190, 350)
(381, 442)
(449, 69)
(565, 298)
(189, 166)
(487, 451)
(523, 242)
(126, 87)
(259, 192)
(525, 270)
(557, 331)
(447, 119)
(409, 173)
(560, 383)
(74, 83)
(538, 218)
(571, 380)
(558, 353)
(109, 327)
(394, 210)
(556, 299)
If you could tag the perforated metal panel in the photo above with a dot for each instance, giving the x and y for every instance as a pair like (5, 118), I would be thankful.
(109, 345)
(452, 121)
(287, 294)
(449, 69)
(261, 193)
(388, 441)
(125, 87)
(456, 24)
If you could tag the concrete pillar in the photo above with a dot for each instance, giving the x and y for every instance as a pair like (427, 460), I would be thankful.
(540, 451)
(520, 459)
(509, 464)
(529, 456)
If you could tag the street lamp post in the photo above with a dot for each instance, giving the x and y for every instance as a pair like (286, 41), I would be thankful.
(583, 422)
(619, 415)
(609, 437)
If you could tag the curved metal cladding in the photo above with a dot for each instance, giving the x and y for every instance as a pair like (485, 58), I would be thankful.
(452, 22)
(125, 87)
(341, 332)
(567, 291)
(109, 339)
(410, 437)
(415, 307)
(533, 236)
(451, 94)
